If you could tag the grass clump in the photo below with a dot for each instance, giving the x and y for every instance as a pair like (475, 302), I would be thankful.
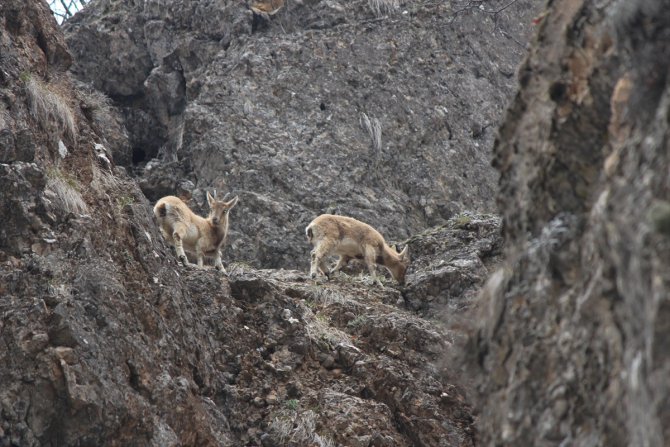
(462, 220)
(99, 110)
(298, 428)
(66, 191)
(381, 7)
(292, 404)
(374, 129)
(50, 108)
(358, 321)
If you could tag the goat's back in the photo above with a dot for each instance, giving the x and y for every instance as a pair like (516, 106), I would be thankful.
(171, 209)
(342, 227)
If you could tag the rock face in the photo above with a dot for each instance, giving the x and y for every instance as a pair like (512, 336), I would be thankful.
(324, 106)
(447, 285)
(107, 341)
(572, 347)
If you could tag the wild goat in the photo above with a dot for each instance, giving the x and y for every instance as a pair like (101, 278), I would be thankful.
(349, 238)
(186, 230)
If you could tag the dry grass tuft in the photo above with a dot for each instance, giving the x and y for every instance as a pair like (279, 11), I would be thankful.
(50, 108)
(100, 106)
(296, 428)
(324, 335)
(326, 296)
(374, 129)
(99, 109)
(381, 7)
(104, 181)
(66, 191)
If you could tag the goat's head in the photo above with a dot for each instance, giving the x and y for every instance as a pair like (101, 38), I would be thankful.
(218, 209)
(398, 267)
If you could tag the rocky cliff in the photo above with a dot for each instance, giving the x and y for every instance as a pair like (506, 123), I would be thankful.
(572, 344)
(385, 111)
(107, 341)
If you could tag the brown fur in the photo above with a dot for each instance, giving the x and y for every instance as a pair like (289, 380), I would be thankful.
(185, 230)
(349, 238)
(269, 7)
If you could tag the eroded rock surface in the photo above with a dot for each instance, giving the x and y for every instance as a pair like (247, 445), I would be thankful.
(107, 341)
(324, 106)
(572, 347)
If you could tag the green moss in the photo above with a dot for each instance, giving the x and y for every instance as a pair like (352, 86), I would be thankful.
(462, 220)
(292, 404)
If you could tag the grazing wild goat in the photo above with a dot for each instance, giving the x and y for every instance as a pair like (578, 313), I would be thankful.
(186, 230)
(349, 238)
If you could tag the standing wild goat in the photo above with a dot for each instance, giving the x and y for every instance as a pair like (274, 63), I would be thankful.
(349, 238)
(186, 230)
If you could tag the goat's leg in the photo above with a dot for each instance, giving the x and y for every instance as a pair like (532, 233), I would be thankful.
(200, 255)
(323, 267)
(217, 262)
(342, 262)
(370, 257)
(177, 236)
(318, 259)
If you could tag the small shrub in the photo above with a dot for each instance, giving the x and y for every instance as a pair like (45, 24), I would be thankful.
(127, 257)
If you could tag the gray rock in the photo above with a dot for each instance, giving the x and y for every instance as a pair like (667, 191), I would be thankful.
(321, 107)
(574, 333)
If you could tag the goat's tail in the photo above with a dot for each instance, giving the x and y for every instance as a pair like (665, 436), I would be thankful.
(161, 210)
(309, 233)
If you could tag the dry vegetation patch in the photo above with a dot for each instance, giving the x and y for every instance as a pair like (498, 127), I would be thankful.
(50, 108)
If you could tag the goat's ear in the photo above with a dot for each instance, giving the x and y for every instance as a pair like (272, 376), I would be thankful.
(233, 202)
(395, 248)
(210, 199)
(405, 253)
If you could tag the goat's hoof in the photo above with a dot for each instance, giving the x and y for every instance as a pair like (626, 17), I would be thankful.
(312, 275)
(373, 282)
(183, 260)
